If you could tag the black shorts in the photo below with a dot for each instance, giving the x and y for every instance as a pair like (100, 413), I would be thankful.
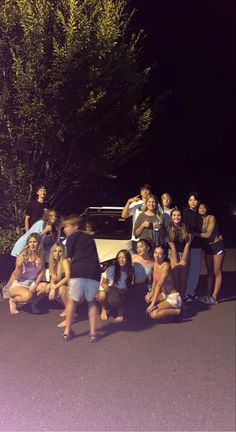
(214, 248)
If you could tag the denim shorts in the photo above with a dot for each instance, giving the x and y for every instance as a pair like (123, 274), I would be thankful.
(79, 286)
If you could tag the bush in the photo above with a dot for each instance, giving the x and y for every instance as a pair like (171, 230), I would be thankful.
(8, 237)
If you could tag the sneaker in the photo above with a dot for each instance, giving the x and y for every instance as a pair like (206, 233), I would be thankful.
(92, 338)
(212, 301)
(209, 300)
(203, 299)
(189, 298)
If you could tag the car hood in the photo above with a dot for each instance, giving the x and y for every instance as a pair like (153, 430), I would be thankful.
(108, 249)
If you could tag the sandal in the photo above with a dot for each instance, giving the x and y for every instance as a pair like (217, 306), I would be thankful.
(92, 338)
(67, 337)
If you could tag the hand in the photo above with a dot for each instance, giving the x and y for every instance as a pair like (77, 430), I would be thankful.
(33, 287)
(48, 229)
(51, 295)
(150, 308)
(181, 263)
(134, 199)
(146, 224)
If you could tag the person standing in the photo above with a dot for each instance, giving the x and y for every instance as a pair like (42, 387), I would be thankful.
(193, 222)
(36, 208)
(133, 207)
(85, 273)
(214, 251)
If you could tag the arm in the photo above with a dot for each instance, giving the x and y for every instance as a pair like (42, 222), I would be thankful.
(63, 281)
(210, 227)
(174, 254)
(139, 225)
(27, 223)
(37, 281)
(186, 250)
(104, 283)
(125, 211)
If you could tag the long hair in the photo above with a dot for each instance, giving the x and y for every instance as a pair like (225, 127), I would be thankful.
(177, 232)
(129, 268)
(38, 252)
(159, 216)
(55, 267)
(55, 228)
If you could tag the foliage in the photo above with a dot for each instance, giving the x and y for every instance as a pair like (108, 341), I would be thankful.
(8, 238)
(71, 96)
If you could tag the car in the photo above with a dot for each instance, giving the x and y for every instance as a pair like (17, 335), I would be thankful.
(111, 232)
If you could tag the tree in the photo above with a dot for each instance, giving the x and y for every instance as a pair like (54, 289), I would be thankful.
(72, 96)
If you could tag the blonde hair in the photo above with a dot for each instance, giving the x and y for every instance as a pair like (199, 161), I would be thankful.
(72, 220)
(55, 267)
(39, 252)
(159, 216)
(177, 232)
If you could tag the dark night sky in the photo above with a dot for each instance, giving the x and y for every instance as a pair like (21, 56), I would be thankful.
(192, 46)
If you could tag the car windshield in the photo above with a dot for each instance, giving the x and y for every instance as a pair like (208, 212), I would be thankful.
(113, 227)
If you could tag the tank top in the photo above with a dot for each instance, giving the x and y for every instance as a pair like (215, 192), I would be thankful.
(29, 271)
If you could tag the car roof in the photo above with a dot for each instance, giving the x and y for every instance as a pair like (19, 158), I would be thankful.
(103, 210)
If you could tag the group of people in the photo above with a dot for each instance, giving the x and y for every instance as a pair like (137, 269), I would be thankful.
(163, 266)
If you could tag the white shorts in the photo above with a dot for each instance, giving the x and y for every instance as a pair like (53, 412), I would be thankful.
(24, 284)
(174, 299)
(79, 286)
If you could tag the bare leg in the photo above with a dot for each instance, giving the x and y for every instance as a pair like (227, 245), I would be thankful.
(92, 313)
(165, 310)
(70, 310)
(120, 316)
(210, 273)
(12, 306)
(102, 299)
(218, 260)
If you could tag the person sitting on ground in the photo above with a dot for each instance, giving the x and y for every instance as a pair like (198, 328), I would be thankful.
(59, 270)
(143, 263)
(116, 281)
(164, 301)
(28, 274)
(36, 208)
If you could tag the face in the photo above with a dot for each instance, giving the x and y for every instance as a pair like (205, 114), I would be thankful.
(202, 210)
(176, 217)
(41, 193)
(144, 193)
(166, 200)
(158, 255)
(57, 253)
(70, 229)
(151, 204)
(88, 227)
(33, 244)
(192, 202)
(141, 248)
(121, 259)
(52, 217)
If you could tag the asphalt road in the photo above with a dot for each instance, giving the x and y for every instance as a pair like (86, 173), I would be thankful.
(139, 376)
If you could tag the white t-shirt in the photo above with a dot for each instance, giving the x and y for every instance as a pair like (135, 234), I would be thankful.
(110, 273)
(135, 209)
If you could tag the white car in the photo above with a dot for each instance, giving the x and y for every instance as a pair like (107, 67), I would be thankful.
(111, 232)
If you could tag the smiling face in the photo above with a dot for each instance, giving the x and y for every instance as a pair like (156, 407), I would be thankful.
(159, 255)
(151, 204)
(202, 210)
(52, 217)
(141, 248)
(57, 253)
(176, 217)
(41, 193)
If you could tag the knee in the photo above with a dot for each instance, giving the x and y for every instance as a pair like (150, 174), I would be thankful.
(27, 296)
(101, 296)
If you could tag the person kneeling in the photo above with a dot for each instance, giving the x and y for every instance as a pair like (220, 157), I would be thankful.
(116, 280)
(164, 301)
